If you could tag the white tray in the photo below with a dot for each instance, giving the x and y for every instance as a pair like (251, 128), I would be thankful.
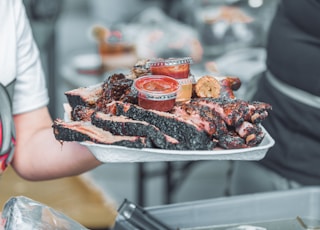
(112, 153)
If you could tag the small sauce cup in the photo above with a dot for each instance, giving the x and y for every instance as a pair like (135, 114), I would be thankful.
(157, 92)
(178, 68)
(185, 91)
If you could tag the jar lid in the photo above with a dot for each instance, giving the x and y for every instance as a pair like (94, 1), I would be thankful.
(156, 85)
(156, 97)
(169, 62)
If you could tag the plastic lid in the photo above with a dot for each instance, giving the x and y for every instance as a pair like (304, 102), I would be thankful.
(169, 61)
(157, 87)
(187, 81)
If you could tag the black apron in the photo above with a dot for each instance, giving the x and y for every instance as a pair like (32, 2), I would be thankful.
(295, 127)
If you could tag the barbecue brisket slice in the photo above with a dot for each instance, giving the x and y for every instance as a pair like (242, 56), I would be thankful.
(117, 87)
(85, 131)
(85, 96)
(203, 117)
(82, 113)
(121, 125)
(186, 132)
(235, 111)
(232, 140)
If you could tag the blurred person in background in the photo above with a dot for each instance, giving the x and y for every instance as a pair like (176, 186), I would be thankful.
(37, 154)
(291, 85)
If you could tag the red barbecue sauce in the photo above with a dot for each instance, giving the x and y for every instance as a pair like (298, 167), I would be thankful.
(178, 68)
(157, 92)
(179, 71)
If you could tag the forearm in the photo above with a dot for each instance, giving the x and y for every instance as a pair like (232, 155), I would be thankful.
(51, 159)
(39, 156)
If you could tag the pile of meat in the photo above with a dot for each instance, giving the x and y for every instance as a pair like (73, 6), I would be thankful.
(108, 113)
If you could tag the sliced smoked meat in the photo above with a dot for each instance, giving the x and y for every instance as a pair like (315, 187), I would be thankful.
(121, 125)
(85, 131)
(85, 96)
(183, 130)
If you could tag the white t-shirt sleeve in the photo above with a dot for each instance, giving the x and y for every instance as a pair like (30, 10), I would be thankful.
(30, 87)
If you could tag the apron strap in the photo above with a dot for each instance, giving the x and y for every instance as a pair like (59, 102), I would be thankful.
(7, 128)
(294, 93)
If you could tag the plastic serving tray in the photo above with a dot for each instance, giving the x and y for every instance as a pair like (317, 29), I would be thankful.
(271, 207)
(112, 153)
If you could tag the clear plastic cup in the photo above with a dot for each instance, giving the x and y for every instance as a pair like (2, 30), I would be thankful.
(185, 91)
(157, 92)
(178, 68)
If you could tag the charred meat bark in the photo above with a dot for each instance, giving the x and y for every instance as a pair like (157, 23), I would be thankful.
(85, 96)
(235, 111)
(116, 88)
(246, 129)
(232, 140)
(244, 136)
(203, 117)
(251, 133)
(259, 111)
(85, 131)
(186, 132)
(121, 125)
(81, 113)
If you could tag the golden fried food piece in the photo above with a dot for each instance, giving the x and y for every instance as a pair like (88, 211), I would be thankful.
(208, 86)
(215, 87)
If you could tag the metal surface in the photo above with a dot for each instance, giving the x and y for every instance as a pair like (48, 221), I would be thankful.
(138, 217)
(288, 209)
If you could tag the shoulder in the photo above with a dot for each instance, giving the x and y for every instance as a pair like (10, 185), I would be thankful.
(14, 26)
(10, 8)
(9, 11)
